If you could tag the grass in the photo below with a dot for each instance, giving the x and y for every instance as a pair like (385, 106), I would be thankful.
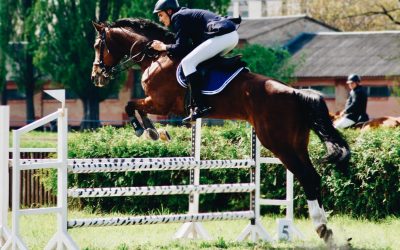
(36, 139)
(37, 230)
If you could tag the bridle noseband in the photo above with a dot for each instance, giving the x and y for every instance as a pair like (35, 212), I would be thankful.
(127, 60)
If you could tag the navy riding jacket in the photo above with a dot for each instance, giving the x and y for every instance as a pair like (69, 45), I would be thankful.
(356, 105)
(192, 27)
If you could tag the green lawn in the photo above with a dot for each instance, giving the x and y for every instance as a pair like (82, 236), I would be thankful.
(37, 230)
(35, 139)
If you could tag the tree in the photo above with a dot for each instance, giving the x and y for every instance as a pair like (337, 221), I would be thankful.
(356, 15)
(4, 38)
(386, 10)
(17, 45)
(271, 62)
(140, 8)
(65, 49)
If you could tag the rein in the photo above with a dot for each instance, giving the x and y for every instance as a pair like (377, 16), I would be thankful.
(127, 61)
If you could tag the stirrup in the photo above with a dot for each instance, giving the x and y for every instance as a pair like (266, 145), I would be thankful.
(198, 113)
(188, 118)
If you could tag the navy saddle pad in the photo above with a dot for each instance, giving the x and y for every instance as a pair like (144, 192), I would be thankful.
(215, 80)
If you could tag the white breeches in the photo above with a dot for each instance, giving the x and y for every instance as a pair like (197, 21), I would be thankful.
(343, 123)
(208, 49)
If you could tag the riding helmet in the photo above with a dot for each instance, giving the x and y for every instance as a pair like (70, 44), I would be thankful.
(162, 5)
(353, 78)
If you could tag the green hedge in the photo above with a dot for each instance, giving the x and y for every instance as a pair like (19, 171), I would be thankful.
(371, 191)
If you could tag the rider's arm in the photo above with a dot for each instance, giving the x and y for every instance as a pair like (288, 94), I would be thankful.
(352, 103)
(182, 43)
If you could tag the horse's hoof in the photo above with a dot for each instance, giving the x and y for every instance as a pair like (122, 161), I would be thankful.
(152, 134)
(325, 233)
(139, 132)
(164, 135)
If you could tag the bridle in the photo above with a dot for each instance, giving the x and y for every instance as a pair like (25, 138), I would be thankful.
(127, 60)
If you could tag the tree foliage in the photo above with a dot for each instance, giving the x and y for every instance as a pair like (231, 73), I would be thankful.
(4, 37)
(140, 8)
(65, 49)
(271, 62)
(357, 15)
(17, 47)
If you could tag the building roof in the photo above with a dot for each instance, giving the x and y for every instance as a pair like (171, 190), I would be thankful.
(279, 29)
(338, 54)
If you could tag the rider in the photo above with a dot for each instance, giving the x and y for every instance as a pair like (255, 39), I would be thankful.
(200, 35)
(356, 106)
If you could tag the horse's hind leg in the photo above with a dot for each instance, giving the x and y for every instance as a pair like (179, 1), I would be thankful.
(300, 165)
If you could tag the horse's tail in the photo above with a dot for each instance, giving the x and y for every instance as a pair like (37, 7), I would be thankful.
(338, 151)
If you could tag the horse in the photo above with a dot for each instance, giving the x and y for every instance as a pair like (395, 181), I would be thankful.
(384, 122)
(281, 116)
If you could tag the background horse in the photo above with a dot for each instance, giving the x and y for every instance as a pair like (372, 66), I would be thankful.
(385, 122)
(281, 116)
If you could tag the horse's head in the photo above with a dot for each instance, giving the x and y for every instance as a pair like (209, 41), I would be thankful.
(126, 38)
(104, 60)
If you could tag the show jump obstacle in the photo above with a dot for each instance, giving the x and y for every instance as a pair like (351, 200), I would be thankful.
(192, 228)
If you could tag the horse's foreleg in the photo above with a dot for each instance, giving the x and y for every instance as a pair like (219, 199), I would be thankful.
(143, 106)
(133, 120)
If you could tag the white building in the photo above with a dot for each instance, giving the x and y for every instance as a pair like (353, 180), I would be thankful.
(262, 8)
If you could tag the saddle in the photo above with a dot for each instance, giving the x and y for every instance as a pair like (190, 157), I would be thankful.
(220, 63)
(217, 73)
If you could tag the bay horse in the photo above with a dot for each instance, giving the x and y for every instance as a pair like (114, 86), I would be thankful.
(281, 116)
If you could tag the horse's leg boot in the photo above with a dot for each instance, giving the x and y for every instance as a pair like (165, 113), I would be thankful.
(318, 217)
(136, 126)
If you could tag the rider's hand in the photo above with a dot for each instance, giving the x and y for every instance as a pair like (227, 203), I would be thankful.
(158, 45)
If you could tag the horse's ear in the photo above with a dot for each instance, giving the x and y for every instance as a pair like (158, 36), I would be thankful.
(98, 26)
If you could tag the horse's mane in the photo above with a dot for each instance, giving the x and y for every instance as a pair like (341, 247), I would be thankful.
(144, 27)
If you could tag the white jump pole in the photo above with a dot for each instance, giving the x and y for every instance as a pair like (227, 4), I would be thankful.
(194, 230)
(61, 239)
(4, 175)
(255, 230)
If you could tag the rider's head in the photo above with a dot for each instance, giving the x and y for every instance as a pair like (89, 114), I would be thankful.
(164, 10)
(353, 80)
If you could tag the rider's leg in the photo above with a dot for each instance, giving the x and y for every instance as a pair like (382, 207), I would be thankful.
(343, 123)
(208, 49)
(200, 109)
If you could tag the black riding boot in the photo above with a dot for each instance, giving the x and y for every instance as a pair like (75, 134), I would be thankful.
(199, 109)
